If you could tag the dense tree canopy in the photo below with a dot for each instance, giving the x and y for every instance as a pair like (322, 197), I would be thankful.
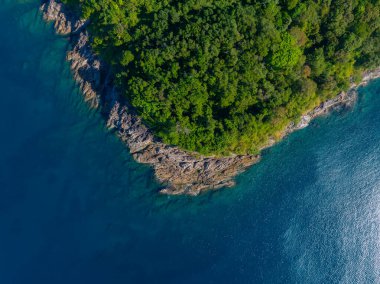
(223, 76)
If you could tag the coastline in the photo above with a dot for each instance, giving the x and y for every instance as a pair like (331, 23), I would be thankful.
(181, 172)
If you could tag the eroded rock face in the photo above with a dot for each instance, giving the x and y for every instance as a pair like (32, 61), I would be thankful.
(180, 172)
(65, 23)
(86, 68)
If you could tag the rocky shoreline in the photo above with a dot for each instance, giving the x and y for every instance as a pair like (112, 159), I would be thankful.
(344, 99)
(179, 171)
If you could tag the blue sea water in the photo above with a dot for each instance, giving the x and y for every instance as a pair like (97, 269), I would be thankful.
(76, 208)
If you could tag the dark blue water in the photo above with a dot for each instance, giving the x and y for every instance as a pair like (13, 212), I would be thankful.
(75, 208)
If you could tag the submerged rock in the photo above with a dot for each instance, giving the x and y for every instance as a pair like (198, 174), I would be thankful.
(181, 172)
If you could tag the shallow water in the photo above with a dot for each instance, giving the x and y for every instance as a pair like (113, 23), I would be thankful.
(75, 207)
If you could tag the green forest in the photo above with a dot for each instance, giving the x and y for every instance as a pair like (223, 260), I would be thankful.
(221, 77)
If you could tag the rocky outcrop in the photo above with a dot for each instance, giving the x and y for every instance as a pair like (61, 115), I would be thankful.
(87, 69)
(183, 172)
(180, 172)
(85, 65)
(65, 22)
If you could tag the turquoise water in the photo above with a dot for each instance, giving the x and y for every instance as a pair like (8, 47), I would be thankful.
(75, 207)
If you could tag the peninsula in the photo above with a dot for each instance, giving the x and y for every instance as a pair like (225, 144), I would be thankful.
(197, 89)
